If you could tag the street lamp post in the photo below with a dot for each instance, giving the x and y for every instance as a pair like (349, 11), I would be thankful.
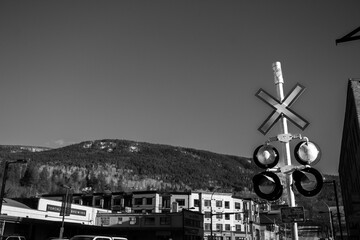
(330, 220)
(6, 167)
(333, 182)
(65, 205)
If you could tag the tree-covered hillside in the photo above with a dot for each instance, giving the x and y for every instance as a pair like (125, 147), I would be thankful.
(118, 165)
(121, 165)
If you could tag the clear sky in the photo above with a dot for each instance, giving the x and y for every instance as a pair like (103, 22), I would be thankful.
(182, 73)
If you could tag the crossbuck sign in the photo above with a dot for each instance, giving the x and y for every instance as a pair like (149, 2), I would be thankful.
(282, 109)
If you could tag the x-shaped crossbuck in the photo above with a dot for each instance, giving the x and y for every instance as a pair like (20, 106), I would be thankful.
(282, 109)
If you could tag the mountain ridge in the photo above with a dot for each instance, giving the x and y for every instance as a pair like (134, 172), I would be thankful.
(123, 164)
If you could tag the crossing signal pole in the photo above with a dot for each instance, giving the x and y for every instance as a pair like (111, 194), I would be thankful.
(307, 180)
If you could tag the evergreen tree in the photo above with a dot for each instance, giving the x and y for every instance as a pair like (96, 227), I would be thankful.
(44, 181)
(30, 177)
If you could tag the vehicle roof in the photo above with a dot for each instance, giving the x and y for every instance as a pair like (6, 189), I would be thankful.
(84, 235)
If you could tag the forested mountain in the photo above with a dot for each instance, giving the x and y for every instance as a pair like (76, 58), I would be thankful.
(119, 165)
(122, 165)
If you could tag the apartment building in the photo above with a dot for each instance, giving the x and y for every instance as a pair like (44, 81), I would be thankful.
(146, 202)
(225, 217)
(184, 225)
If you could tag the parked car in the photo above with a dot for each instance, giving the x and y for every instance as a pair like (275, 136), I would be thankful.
(94, 237)
(56, 238)
(13, 237)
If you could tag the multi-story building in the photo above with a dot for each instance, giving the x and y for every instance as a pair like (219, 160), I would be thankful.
(145, 202)
(43, 222)
(184, 225)
(225, 217)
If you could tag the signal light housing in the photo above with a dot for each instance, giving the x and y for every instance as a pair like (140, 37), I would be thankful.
(308, 181)
(307, 153)
(267, 185)
(266, 156)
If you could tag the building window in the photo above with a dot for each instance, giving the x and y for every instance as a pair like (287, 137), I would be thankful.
(227, 204)
(245, 206)
(219, 227)
(181, 202)
(166, 203)
(238, 216)
(149, 201)
(207, 214)
(77, 201)
(237, 205)
(207, 203)
(227, 216)
(227, 227)
(191, 223)
(97, 202)
(138, 201)
(165, 220)
(218, 203)
(117, 201)
(87, 201)
(196, 203)
(149, 221)
(238, 227)
(207, 226)
(219, 215)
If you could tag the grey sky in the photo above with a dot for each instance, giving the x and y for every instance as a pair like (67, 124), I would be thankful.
(182, 73)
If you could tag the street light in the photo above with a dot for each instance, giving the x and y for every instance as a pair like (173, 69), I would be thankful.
(333, 182)
(330, 219)
(7, 163)
(63, 210)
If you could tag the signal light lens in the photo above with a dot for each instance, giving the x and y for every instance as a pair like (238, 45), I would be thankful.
(266, 156)
(308, 181)
(267, 185)
(307, 153)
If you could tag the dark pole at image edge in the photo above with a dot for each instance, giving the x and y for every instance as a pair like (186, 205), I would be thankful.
(6, 167)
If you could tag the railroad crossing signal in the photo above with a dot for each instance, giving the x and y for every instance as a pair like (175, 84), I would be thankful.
(307, 180)
(282, 109)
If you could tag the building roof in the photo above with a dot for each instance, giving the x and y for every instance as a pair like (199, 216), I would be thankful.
(13, 203)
